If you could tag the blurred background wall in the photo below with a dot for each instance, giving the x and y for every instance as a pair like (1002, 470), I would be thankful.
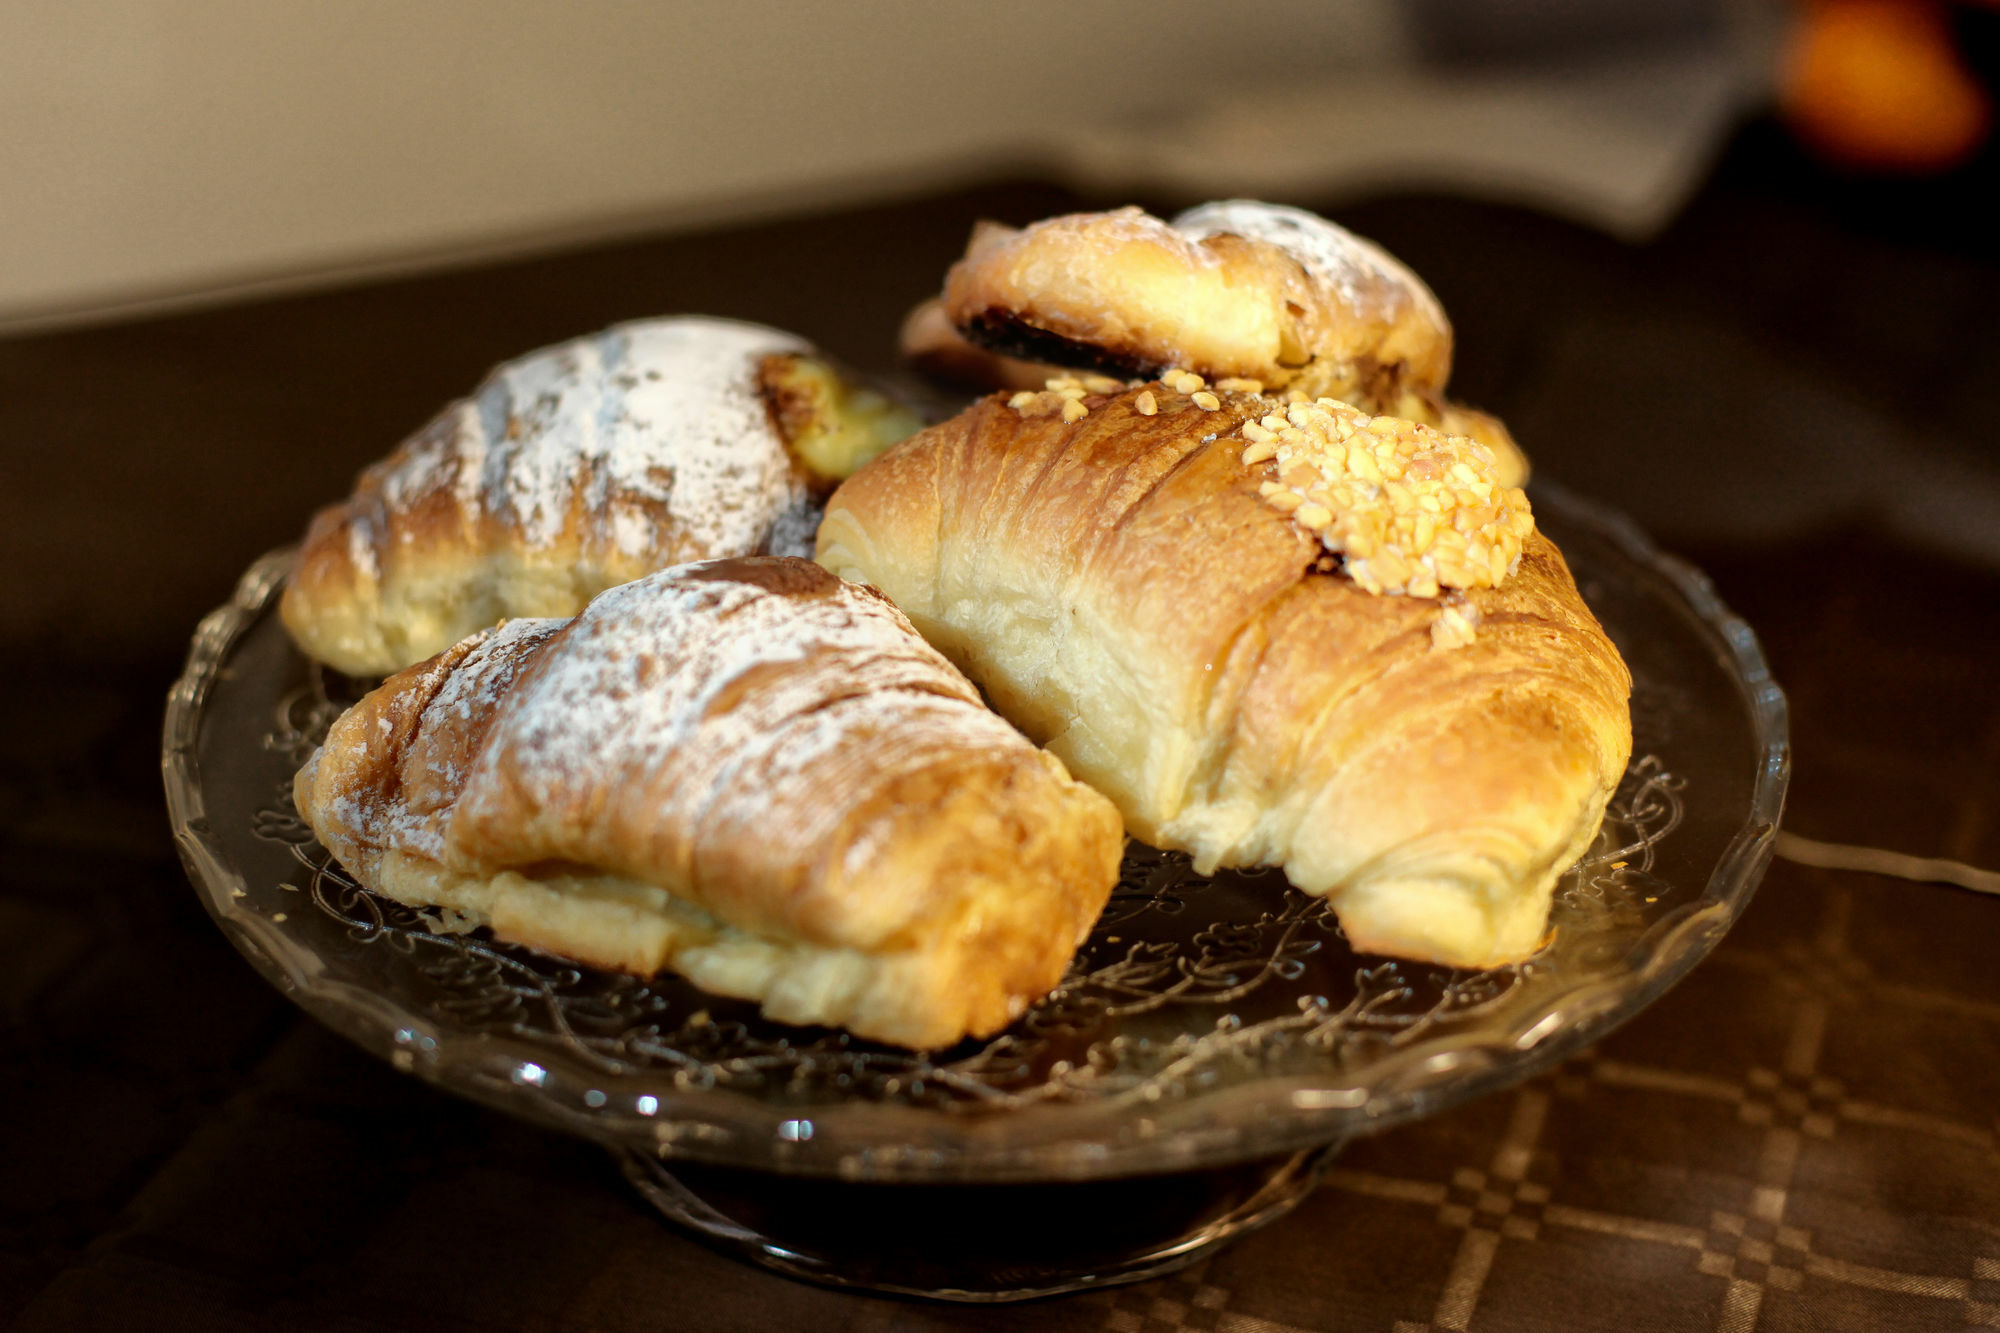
(159, 153)
(155, 149)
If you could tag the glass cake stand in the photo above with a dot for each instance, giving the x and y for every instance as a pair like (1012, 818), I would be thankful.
(1215, 1041)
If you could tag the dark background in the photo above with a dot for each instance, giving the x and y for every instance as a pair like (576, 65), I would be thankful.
(1797, 385)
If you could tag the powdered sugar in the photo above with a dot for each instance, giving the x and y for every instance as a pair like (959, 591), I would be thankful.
(479, 681)
(653, 666)
(702, 699)
(361, 548)
(648, 438)
(1361, 271)
(431, 772)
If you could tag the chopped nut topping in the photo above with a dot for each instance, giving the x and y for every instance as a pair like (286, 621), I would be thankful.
(1205, 400)
(1063, 390)
(1236, 384)
(1412, 510)
(1457, 624)
(1183, 381)
(1145, 404)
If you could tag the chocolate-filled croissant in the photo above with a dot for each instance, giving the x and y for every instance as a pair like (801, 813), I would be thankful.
(1233, 289)
(746, 771)
(1274, 633)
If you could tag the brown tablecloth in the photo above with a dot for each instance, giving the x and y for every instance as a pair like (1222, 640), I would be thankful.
(1801, 1136)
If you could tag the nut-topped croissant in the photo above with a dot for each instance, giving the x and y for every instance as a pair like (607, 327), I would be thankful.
(576, 468)
(1274, 631)
(1229, 290)
(743, 770)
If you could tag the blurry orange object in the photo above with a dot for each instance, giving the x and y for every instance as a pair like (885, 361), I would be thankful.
(1877, 84)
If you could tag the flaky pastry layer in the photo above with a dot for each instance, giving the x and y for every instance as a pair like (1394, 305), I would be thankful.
(745, 770)
(1121, 590)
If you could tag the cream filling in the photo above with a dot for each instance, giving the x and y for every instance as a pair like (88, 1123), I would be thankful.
(848, 425)
(418, 614)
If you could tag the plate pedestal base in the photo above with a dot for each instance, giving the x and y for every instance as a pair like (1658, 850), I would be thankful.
(979, 1243)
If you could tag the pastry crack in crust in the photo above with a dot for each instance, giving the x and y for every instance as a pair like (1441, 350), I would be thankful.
(1010, 335)
(745, 771)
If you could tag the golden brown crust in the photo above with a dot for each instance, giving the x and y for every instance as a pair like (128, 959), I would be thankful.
(1122, 592)
(824, 815)
(1213, 293)
(1228, 290)
(572, 470)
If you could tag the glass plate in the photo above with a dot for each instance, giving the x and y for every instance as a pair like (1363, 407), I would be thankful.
(1209, 1020)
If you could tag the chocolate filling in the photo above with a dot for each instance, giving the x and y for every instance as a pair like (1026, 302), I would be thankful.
(1004, 332)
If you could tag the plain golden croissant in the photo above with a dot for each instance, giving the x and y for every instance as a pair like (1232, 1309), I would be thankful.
(746, 771)
(1273, 632)
(577, 468)
(1229, 290)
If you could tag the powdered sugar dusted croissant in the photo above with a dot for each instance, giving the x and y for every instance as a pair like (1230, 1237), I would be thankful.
(577, 468)
(746, 771)
(1273, 632)
(1229, 290)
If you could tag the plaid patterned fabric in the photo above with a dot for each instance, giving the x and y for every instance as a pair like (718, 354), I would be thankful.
(1792, 1141)
(1804, 1135)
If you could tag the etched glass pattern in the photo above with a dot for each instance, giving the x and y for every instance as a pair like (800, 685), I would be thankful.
(1207, 1019)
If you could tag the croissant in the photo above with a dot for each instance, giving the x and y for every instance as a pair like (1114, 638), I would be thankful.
(746, 771)
(577, 468)
(1274, 633)
(1230, 290)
